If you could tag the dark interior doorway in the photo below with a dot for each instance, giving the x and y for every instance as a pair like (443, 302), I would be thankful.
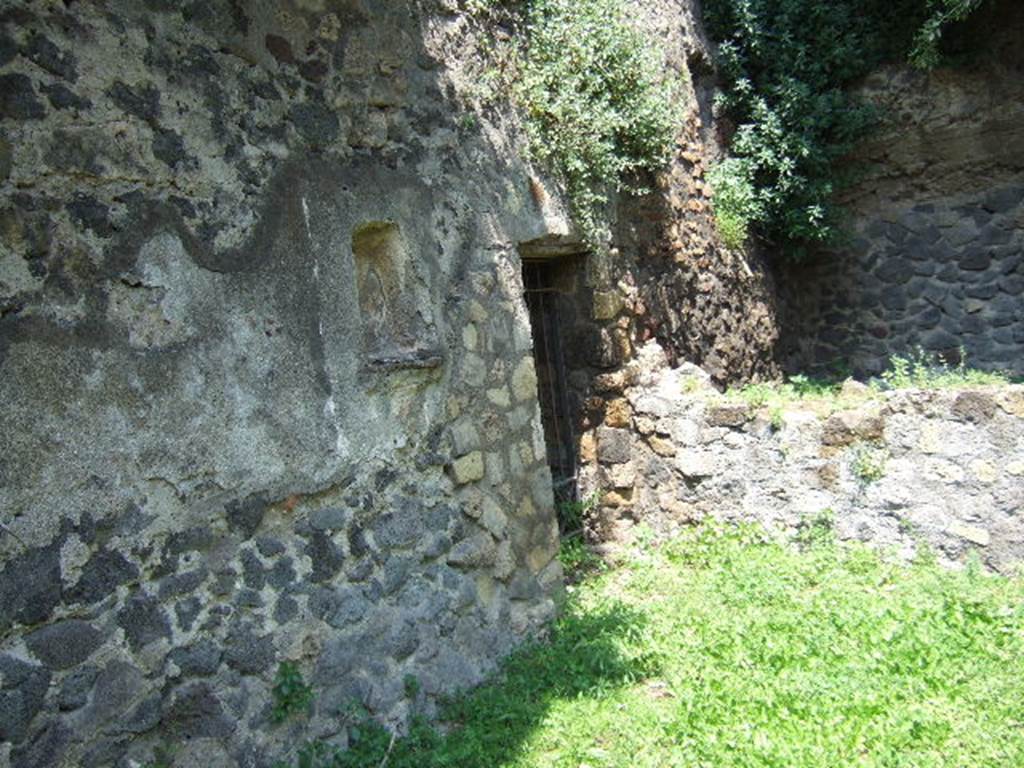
(544, 283)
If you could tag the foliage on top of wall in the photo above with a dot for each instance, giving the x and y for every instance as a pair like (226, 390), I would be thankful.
(598, 105)
(787, 65)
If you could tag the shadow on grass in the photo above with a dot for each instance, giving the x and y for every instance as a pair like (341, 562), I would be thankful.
(592, 652)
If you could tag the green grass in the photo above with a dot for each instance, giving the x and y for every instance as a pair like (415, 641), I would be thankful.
(727, 649)
(918, 371)
(577, 560)
(825, 395)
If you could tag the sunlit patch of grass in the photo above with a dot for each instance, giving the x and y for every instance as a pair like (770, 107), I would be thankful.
(728, 648)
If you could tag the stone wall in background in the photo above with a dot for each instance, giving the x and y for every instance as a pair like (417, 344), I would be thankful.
(938, 276)
(896, 470)
(936, 257)
(266, 376)
(703, 303)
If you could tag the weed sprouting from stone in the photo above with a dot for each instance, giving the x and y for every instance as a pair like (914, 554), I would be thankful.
(291, 694)
(868, 463)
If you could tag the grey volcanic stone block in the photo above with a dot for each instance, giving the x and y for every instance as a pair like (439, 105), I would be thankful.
(64, 644)
(199, 659)
(30, 586)
(104, 572)
(143, 621)
(194, 711)
(21, 697)
(248, 651)
(18, 100)
(74, 692)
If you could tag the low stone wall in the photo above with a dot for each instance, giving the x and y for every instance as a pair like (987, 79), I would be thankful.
(944, 468)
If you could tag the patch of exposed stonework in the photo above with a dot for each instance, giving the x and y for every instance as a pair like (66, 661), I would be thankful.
(896, 470)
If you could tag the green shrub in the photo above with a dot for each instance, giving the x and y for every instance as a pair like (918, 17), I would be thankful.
(817, 530)
(941, 13)
(577, 559)
(787, 65)
(868, 463)
(597, 105)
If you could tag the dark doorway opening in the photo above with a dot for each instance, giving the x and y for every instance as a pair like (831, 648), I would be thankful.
(548, 283)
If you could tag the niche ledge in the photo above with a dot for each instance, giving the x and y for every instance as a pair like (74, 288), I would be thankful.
(417, 359)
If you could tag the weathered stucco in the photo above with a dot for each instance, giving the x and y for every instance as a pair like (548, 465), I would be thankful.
(238, 429)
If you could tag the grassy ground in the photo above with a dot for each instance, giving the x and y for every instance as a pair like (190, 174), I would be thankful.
(825, 396)
(727, 650)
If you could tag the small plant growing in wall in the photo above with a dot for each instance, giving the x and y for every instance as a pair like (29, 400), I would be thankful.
(922, 371)
(868, 463)
(571, 514)
(291, 693)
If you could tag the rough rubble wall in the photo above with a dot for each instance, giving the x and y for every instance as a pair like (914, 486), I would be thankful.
(255, 276)
(937, 252)
(942, 468)
(667, 277)
(703, 303)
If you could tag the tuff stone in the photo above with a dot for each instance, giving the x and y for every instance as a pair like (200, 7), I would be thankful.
(974, 406)
(848, 427)
(971, 533)
(617, 413)
(728, 415)
(524, 380)
(468, 468)
(477, 551)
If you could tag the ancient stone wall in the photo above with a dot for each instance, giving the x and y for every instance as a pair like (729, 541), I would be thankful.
(896, 469)
(256, 277)
(703, 303)
(936, 255)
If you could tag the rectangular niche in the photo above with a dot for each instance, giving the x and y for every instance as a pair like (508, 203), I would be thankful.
(395, 332)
